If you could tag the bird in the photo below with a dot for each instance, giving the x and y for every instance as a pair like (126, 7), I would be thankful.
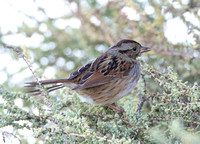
(104, 80)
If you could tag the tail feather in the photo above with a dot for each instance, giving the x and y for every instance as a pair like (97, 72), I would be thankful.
(46, 82)
(36, 93)
(55, 87)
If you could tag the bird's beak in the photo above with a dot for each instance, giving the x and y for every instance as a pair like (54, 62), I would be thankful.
(145, 49)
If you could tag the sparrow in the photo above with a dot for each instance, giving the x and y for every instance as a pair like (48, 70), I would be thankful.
(104, 80)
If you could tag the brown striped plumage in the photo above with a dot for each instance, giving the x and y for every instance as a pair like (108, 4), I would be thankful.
(105, 80)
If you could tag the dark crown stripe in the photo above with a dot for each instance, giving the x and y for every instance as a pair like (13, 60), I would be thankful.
(118, 44)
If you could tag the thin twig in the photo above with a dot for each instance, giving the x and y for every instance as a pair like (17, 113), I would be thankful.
(142, 99)
(44, 93)
(5, 134)
(33, 73)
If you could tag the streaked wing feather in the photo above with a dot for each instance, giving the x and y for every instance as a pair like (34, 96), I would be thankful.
(80, 71)
(104, 70)
(96, 79)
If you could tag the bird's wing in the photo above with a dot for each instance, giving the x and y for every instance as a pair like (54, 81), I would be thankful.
(104, 69)
(81, 71)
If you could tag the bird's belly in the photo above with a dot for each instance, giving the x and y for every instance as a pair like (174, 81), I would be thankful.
(110, 92)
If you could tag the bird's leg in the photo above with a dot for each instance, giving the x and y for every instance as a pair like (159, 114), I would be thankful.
(119, 110)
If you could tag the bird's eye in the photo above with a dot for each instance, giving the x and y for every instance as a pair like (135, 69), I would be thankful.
(134, 49)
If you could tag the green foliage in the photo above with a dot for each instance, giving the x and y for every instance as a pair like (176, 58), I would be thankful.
(71, 120)
(169, 88)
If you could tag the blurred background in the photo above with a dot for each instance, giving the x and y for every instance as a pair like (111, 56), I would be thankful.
(57, 36)
(60, 35)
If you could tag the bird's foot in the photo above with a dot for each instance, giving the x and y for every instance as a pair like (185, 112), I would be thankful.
(119, 110)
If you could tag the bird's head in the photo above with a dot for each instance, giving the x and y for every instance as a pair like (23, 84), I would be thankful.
(129, 49)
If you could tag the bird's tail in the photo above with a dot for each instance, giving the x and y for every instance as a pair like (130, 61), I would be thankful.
(56, 84)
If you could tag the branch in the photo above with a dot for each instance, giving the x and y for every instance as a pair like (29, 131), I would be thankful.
(181, 54)
(161, 49)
